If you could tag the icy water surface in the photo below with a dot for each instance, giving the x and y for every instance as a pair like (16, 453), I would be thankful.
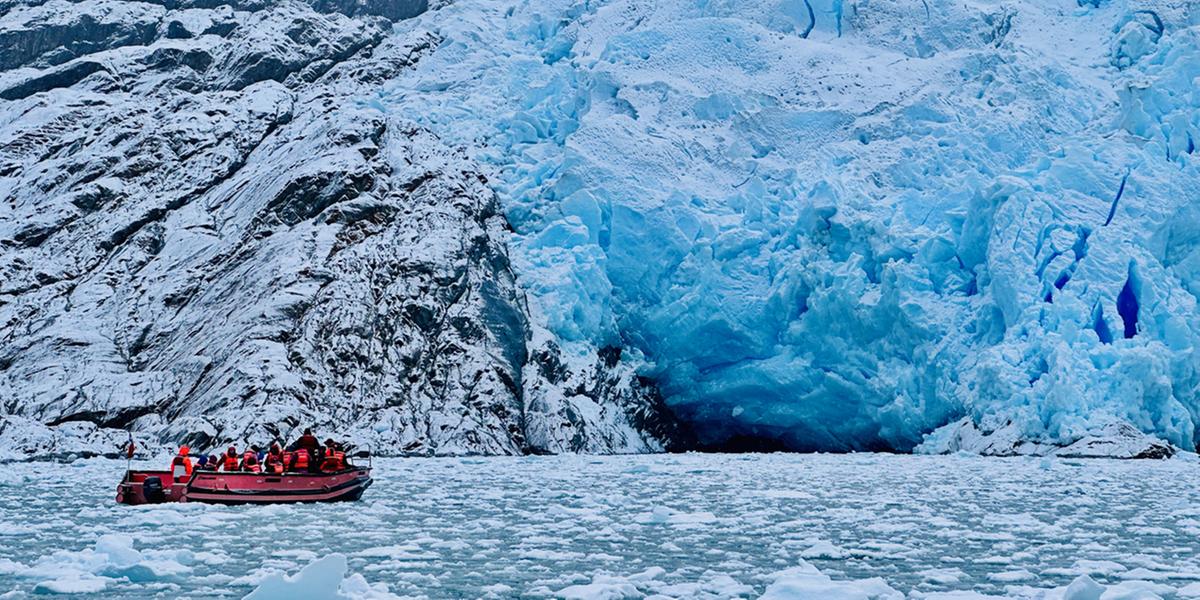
(684, 526)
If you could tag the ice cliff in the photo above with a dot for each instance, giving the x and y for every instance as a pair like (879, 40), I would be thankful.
(203, 238)
(845, 225)
(509, 226)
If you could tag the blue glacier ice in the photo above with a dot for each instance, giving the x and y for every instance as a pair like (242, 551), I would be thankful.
(845, 224)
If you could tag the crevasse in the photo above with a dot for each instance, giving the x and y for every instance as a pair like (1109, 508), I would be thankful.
(841, 225)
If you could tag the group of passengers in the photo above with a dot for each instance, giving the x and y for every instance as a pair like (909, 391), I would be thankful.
(305, 455)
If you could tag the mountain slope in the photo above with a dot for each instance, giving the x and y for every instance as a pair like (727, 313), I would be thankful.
(205, 239)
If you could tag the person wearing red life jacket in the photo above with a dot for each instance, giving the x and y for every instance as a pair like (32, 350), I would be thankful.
(308, 441)
(181, 465)
(229, 462)
(335, 458)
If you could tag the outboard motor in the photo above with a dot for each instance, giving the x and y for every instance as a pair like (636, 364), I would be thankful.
(152, 489)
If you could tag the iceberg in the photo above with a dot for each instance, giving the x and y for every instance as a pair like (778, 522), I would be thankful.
(321, 579)
(848, 225)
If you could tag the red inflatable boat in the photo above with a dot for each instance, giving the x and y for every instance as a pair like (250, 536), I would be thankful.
(214, 487)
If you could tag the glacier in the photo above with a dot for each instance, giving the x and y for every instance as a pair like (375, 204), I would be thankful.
(851, 224)
(506, 226)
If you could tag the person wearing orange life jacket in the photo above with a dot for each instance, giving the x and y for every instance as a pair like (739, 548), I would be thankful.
(300, 461)
(309, 445)
(335, 458)
(229, 462)
(274, 460)
(181, 465)
(250, 462)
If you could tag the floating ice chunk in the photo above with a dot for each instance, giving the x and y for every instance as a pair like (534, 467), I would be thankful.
(602, 587)
(824, 549)
(1137, 590)
(649, 574)
(323, 579)
(806, 582)
(1142, 573)
(943, 576)
(1083, 588)
(958, 595)
(550, 555)
(14, 529)
(83, 584)
(92, 569)
(669, 516)
(1012, 576)
(786, 494)
(497, 590)
(1105, 568)
(405, 552)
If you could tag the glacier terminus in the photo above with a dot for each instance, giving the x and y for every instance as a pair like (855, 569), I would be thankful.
(846, 225)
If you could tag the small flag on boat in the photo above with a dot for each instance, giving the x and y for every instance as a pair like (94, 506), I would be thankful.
(130, 448)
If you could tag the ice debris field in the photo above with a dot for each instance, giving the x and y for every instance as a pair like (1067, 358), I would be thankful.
(827, 527)
(843, 224)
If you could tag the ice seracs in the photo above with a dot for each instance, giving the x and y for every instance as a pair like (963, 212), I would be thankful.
(846, 227)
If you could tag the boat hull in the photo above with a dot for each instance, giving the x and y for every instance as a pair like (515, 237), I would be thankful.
(214, 487)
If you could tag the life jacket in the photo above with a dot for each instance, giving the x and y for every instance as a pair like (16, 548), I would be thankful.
(250, 463)
(288, 457)
(300, 460)
(181, 467)
(335, 460)
(229, 463)
(274, 464)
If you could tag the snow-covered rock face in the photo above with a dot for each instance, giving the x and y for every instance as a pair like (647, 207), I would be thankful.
(837, 225)
(204, 237)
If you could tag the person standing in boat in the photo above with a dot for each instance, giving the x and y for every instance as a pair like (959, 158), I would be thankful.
(307, 444)
(181, 465)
